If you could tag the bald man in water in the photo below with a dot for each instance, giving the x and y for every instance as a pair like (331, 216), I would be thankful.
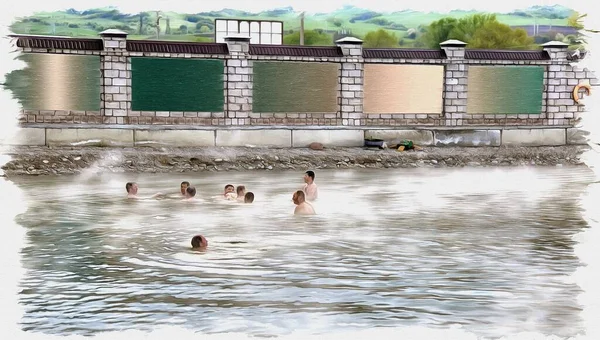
(302, 207)
(199, 242)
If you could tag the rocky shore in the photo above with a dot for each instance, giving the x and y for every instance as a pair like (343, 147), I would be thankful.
(63, 161)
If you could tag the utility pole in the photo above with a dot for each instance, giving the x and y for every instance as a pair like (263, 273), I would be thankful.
(302, 28)
(158, 17)
(141, 23)
(550, 20)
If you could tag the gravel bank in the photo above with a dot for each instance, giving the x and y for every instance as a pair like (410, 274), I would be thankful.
(62, 161)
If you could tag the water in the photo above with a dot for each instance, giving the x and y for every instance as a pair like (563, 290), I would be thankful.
(587, 276)
(388, 248)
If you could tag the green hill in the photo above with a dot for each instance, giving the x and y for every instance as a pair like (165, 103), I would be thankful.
(200, 26)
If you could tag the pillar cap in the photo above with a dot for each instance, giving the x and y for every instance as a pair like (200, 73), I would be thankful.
(453, 43)
(111, 32)
(555, 44)
(237, 37)
(349, 41)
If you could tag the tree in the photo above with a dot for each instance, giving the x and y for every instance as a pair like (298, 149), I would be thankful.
(380, 39)
(572, 39)
(495, 35)
(575, 21)
(438, 31)
(183, 29)
(478, 31)
(168, 27)
(311, 37)
(143, 18)
(336, 22)
(468, 26)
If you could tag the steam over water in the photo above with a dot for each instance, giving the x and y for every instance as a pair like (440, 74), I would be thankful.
(490, 250)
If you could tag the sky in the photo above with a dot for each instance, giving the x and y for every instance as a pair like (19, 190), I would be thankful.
(11, 9)
(131, 6)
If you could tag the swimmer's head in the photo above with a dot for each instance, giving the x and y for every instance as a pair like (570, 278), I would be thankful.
(132, 188)
(298, 197)
(309, 176)
(229, 188)
(190, 192)
(240, 190)
(249, 197)
(184, 186)
(199, 242)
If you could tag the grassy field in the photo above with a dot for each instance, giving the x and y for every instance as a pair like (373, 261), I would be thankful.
(356, 20)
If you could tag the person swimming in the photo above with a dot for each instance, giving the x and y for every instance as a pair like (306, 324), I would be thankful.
(310, 188)
(229, 192)
(241, 192)
(190, 193)
(132, 191)
(181, 193)
(249, 197)
(183, 187)
(302, 207)
(199, 242)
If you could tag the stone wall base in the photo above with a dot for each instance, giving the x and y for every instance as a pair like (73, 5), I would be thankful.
(286, 137)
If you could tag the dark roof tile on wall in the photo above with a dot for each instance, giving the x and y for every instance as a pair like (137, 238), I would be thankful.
(53, 42)
(176, 47)
(296, 51)
(403, 53)
(506, 55)
(59, 43)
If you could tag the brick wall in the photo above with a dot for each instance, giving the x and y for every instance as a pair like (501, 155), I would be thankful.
(558, 108)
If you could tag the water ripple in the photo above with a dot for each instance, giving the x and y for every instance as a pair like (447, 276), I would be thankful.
(421, 247)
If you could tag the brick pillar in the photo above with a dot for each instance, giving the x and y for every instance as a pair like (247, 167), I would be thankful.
(351, 81)
(559, 98)
(116, 77)
(455, 82)
(238, 70)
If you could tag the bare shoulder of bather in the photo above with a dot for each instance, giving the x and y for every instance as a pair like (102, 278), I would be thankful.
(304, 209)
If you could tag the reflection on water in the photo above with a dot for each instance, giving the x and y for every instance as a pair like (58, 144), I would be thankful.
(488, 249)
